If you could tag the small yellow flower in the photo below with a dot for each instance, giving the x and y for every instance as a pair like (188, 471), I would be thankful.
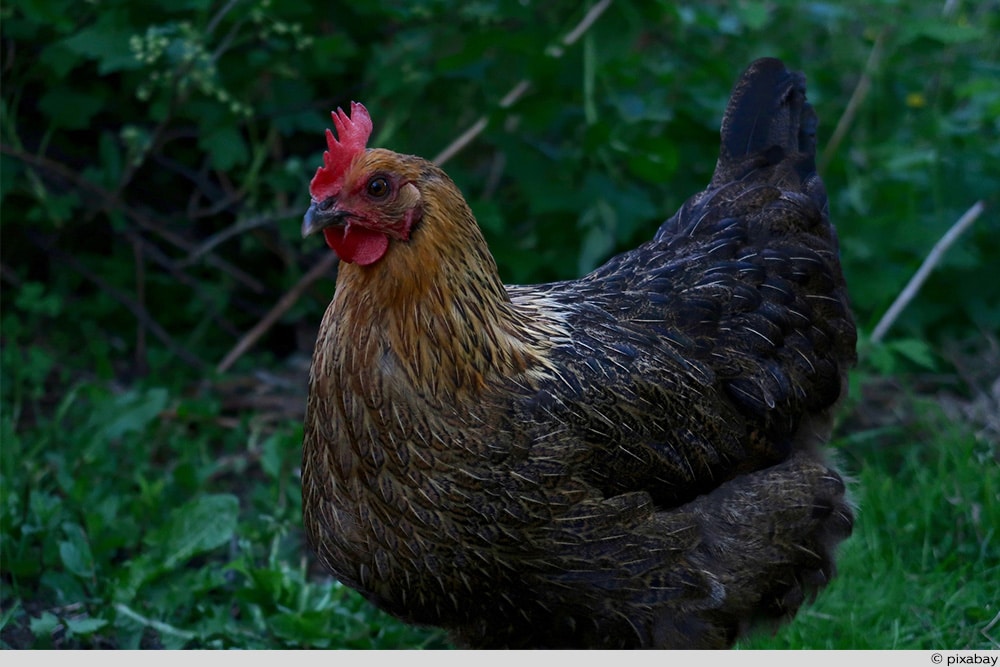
(916, 100)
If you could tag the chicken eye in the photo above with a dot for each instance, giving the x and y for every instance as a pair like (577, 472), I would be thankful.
(378, 188)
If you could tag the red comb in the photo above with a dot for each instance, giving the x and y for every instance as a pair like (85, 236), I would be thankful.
(352, 135)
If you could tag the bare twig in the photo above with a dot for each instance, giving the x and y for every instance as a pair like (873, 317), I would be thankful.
(140, 313)
(989, 626)
(584, 25)
(495, 174)
(202, 186)
(222, 265)
(154, 253)
(467, 137)
(8, 274)
(219, 15)
(140, 297)
(226, 201)
(521, 87)
(932, 259)
(287, 301)
(461, 141)
(857, 98)
(238, 227)
(142, 220)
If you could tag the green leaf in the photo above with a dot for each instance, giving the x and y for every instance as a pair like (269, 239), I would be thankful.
(133, 576)
(110, 165)
(132, 412)
(198, 526)
(7, 615)
(272, 455)
(55, 13)
(657, 160)
(911, 159)
(55, 208)
(34, 298)
(75, 551)
(226, 146)
(600, 222)
(44, 625)
(69, 108)
(310, 627)
(945, 33)
(917, 351)
(85, 626)
(172, 636)
(107, 44)
(60, 59)
(755, 15)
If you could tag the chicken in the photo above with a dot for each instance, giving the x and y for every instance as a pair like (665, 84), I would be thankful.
(631, 459)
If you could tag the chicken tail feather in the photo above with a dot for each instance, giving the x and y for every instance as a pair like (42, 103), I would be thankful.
(768, 120)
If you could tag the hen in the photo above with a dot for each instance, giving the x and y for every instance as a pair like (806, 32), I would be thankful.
(631, 459)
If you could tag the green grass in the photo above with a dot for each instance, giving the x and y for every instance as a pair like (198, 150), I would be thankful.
(144, 518)
(922, 570)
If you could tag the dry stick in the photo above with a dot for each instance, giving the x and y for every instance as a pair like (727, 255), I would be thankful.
(989, 626)
(238, 227)
(141, 314)
(466, 138)
(521, 87)
(328, 262)
(140, 297)
(8, 274)
(182, 243)
(287, 301)
(584, 25)
(857, 97)
(153, 252)
(219, 15)
(932, 259)
(140, 219)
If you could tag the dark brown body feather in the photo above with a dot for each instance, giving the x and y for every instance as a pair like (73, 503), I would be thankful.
(632, 459)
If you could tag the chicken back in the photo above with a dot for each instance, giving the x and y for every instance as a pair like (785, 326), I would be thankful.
(631, 459)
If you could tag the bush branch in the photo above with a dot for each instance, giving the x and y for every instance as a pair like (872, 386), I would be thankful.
(143, 317)
(110, 202)
(857, 98)
(521, 87)
(324, 267)
(932, 260)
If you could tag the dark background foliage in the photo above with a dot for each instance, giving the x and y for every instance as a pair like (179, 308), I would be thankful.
(158, 305)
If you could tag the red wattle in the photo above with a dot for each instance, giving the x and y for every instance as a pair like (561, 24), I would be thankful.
(356, 245)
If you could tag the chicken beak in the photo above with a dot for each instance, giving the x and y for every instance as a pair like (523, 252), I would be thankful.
(316, 219)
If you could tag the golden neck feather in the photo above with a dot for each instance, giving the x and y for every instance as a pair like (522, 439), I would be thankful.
(434, 308)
